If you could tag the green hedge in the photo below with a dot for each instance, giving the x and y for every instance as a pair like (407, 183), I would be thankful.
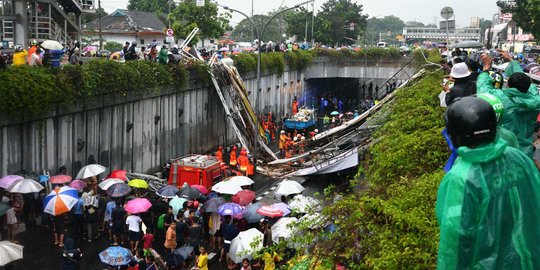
(274, 62)
(386, 220)
(27, 92)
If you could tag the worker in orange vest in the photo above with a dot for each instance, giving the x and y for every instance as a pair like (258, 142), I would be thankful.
(282, 141)
(251, 167)
(243, 162)
(219, 153)
(295, 105)
(232, 160)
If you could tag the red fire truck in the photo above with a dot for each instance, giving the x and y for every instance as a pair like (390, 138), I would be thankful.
(198, 170)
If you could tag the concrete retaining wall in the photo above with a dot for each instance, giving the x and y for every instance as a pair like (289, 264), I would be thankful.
(139, 133)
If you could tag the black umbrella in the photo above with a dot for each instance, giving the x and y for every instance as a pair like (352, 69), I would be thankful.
(189, 193)
(174, 259)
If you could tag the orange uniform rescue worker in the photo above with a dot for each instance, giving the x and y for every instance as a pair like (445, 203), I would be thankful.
(219, 153)
(295, 106)
(243, 162)
(232, 160)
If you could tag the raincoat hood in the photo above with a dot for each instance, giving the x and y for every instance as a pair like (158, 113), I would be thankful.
(524, 101)
(483, 153)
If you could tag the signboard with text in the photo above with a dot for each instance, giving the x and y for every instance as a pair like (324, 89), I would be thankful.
(200, 3)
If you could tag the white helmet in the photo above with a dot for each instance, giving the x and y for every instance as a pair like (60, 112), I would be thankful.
(302, 138)
(283, 132)
(316, 130)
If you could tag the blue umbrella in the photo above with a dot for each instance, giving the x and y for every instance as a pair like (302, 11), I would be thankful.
(230, 209)
(250, 213)
(118, 190)
(167, 191)
(184, 251)
(177, 203)
(116, 256)
(213, 204)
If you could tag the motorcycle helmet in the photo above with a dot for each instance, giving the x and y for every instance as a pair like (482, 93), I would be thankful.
(18, 48)
(471, 121)
(495, 103)
(34, 42)
(496, 79)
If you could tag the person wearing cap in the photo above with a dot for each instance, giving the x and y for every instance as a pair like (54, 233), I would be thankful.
(520, 100)
(463, 86)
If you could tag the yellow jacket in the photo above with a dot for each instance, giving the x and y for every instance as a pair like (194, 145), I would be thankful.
(19, 58)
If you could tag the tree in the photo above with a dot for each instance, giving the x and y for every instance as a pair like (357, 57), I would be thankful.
(187, 16)
(296, 23)
(88, 17)
(345, 20)
(113, 46)
(159, 7)
(414, 24)
(525, 13)
(244, 29)
(388, 24)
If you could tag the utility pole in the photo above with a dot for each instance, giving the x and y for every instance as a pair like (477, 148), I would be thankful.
(312, 22)
(100, 34)
(305, 33)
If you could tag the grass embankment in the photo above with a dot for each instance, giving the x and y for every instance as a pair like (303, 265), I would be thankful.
(390, 222)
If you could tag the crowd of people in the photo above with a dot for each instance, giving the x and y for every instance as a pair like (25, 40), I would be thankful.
(487, 202)
(152, 235)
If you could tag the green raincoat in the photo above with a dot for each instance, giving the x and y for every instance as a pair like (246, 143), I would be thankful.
(163, 56)
(520, 109)
(488, 210)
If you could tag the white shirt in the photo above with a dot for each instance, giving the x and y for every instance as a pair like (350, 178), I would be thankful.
(134, 223)
(11, 218)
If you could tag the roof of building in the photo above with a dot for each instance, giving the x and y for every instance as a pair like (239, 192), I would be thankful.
(126, 21)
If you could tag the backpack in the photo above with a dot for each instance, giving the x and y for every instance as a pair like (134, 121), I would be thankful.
(161, 222)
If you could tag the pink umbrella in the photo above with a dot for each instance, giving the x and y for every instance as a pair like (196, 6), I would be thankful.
(138, 205)
(269, 211)
(78, 184)
(8, 180)
(201, 188)
(60, 179)
(120, 174)
(244, 197)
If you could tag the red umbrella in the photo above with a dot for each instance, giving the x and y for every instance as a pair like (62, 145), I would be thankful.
(201, 188)
(269, 211)
(120, 174)
(60, 179)
(244, 197)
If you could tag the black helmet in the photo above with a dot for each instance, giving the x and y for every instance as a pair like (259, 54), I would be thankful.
(470, 121)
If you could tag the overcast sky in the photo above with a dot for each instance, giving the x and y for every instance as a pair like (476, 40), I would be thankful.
(426, 11)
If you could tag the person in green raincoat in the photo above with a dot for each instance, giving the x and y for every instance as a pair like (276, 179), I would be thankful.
(163, 55)
(487, 204)
(521, 101)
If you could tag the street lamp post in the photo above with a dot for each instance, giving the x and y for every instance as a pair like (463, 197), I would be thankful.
(259, 35)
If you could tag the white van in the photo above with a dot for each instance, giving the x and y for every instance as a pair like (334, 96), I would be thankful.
(382, 44)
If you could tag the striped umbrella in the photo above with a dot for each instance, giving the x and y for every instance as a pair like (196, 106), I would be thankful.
(60, 200)
(285, 208)
(60, 179)
(25, 186)
(167, 191)
(8, 180)
(118, 190)
(269, 211)
(107, 183)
